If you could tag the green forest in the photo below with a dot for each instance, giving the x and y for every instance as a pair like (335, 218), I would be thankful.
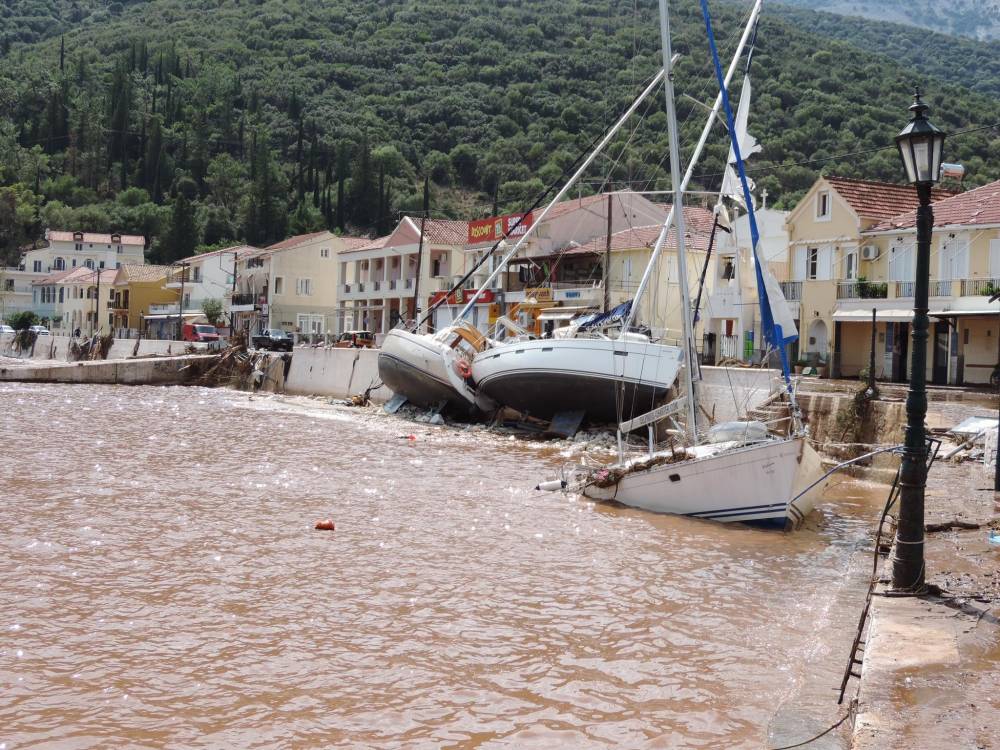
(200, 124)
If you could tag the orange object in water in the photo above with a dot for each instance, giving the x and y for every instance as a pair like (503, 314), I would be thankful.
(325, 525)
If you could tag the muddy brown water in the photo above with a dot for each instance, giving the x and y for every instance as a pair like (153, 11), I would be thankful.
(161, 585)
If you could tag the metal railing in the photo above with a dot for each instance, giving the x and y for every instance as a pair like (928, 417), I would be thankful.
(862, 290)
(980, 287)
(792, 290)
(247, 298)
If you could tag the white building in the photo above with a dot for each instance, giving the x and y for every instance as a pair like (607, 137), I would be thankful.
(209, 276)
(68, 250)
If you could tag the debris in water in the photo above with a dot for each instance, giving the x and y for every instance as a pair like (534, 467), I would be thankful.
(325, 525)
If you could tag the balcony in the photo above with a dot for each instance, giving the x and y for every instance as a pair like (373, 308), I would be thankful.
(347, 288)
(905, 289)
(862, 290)
(244, 299)
(980, 287)
(792, 290)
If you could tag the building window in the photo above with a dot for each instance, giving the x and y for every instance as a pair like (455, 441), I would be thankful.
(61, 293)
(728, 269)
(89, 263)
(851, 266)
(37, 266)
(823, 205)
(74, 262)
(196, 271)
(279, 285)
(324, 252)
(436, 266)
(78, 246)
(102, 264)
(303, 287)
(812, 263)
(59, 264)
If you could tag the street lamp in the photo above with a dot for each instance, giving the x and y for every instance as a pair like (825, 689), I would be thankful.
(920, 145)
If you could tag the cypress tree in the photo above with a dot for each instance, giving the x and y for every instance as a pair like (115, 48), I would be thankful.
(62, 55)
(182, 235)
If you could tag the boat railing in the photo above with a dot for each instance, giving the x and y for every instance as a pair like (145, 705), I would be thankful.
(648, 420)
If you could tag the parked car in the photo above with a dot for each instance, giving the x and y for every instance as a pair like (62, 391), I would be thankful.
(355, 340)
(6, 330)
(200, 332)
(40, 331)
(273, 339)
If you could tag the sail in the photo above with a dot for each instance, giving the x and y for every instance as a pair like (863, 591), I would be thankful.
(731, 187)
(776, 320)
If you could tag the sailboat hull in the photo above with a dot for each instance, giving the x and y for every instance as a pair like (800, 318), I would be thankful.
(755, 484)
(607, 379)
(420, 368)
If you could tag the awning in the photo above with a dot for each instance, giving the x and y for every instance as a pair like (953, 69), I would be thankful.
(168, 316)
(865, 316)
(963, 313)
(564, 313)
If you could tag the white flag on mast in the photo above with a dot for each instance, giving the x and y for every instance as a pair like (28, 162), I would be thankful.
(731, 187)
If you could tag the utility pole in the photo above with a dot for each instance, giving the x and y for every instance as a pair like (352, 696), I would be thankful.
(232, 315)
(97, 304)
(607, 259)
(996, 472)
(871, 356)
(420, 252)
(180, 303)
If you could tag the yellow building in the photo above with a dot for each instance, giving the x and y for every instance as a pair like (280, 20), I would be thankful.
(964, 274)
(631, 249)
(380, 279)
(141, 300)
(292, 284)
(836, 277)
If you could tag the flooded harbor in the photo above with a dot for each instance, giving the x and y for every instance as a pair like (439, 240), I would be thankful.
(164, 586)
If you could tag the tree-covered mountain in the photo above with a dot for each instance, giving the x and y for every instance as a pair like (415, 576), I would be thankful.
(974, 65)
(977, 19)
(250, 119)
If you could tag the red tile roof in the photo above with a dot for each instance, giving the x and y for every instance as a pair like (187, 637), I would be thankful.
(295, 241)
(376, 244)
(977, 207)
(142, 273)
(642, 237)
(573, 204)
(98, 239)
(240, 250)
(880, 200)
(59, 276)
(443, 231)
(353, 243)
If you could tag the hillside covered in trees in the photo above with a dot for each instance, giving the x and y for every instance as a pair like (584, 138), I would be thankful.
(198, 123)
(977, 19)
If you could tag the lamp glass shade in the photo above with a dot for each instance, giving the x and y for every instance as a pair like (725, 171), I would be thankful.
(920, 148)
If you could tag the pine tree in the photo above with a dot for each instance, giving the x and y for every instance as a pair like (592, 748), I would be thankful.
(182, 234)
(154, 161)
(364, 192)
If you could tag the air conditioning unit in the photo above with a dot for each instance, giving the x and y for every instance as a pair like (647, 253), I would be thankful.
(869, 252)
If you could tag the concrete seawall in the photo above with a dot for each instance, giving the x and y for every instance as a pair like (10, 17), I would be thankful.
(57, 347)
(339, 373)
(146, 371)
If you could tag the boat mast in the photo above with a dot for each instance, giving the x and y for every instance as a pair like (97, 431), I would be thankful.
(709, 122)
(565, 189)
(678, 201)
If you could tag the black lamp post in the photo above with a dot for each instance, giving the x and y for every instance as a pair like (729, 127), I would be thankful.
(920, 145)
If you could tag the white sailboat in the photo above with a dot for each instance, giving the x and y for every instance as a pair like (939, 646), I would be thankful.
(607, 377)
(423, 367)
(735, 472)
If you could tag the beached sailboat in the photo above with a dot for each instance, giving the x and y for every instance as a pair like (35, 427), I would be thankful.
(733, 472)
(431, 369)
(611, 376)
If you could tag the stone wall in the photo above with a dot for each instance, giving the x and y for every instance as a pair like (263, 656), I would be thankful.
(340, 373)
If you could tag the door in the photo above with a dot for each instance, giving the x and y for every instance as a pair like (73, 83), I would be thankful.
(939, 375)
(995, 259)
(900, 349)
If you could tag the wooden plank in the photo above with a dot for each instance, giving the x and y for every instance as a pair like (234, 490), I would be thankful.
(653, 416)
